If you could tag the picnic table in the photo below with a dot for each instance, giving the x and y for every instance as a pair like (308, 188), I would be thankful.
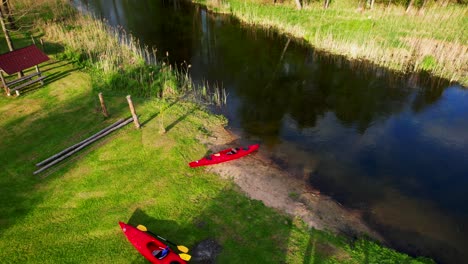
(18, 60)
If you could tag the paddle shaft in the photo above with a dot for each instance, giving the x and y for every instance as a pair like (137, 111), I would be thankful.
(180, 248)
(162, 238)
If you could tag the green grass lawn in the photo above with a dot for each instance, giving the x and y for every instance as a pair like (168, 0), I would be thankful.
(70, 213)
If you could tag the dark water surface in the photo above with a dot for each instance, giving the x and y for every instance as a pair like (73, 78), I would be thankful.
(395, 147)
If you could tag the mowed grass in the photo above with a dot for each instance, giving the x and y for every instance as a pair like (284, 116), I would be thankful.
(70, 213)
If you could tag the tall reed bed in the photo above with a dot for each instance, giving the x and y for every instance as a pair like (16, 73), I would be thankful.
(122, 64)
(434, 39)
(213, 93)
(117, 59)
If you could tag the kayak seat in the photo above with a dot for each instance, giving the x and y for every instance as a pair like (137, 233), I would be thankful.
(233, 151)
(160, 254)
(208, 157)
(246, 148)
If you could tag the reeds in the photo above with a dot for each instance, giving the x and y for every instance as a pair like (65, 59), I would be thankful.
(123, 64)
(108, 48)
(206, 93)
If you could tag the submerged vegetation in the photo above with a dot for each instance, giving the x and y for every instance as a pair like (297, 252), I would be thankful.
(71, 214)
(428, 36)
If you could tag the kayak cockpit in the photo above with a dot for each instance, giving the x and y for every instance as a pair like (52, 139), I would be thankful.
(157, 251)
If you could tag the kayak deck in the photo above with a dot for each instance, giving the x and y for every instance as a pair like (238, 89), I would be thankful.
(151, 248)
(224, 155)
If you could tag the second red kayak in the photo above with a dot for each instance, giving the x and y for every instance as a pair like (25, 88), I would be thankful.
(224, 155)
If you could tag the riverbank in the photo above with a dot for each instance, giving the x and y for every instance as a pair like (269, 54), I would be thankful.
(260, 179)
(433, 40)
(70, 214)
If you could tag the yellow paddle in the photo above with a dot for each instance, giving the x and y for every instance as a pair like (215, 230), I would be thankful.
(185, 257)
(181, 248)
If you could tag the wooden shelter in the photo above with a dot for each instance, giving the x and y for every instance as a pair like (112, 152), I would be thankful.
(18, 60)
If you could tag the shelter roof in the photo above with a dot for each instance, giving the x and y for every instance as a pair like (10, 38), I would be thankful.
(22, 59)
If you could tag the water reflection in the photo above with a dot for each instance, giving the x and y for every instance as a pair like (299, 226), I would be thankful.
(392, 145)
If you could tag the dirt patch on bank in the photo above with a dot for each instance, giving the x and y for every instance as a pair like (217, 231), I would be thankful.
(262, 180)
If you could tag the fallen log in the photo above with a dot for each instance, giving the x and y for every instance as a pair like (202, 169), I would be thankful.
(78, 144)
(52, 163)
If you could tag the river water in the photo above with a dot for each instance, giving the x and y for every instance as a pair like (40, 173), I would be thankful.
(393, 146)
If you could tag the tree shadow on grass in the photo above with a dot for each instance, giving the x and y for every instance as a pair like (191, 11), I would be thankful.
(27, 139)
(230, 229)
(156, 226)
(54, 64)
(243, 229)
(158, 113)
(49, 79)
(33, 131)
(53, 48)
(181, 118)
(309, 251)
(52, 74)
(57, 75)
(318, 252)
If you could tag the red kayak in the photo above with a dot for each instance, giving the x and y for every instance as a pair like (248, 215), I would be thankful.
(224, 155)
(151, 248)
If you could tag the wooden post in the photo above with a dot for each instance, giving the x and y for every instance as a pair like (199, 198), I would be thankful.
(298, 4)
(6, 32)
(39, 73)
(103, 106)
(132, 109)
(5, 86)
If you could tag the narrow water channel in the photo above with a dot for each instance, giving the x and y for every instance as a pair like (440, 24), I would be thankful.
(393, 146)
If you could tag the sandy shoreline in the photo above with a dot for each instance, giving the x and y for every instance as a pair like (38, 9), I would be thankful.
(260, 179)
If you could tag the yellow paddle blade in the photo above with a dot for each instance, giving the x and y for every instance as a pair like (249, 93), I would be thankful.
(185, 257)
(142, 228)
(183, 249)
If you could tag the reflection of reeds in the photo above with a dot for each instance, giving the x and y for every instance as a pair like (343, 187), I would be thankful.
(218, 95)
(433, 39)
(224, 96)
